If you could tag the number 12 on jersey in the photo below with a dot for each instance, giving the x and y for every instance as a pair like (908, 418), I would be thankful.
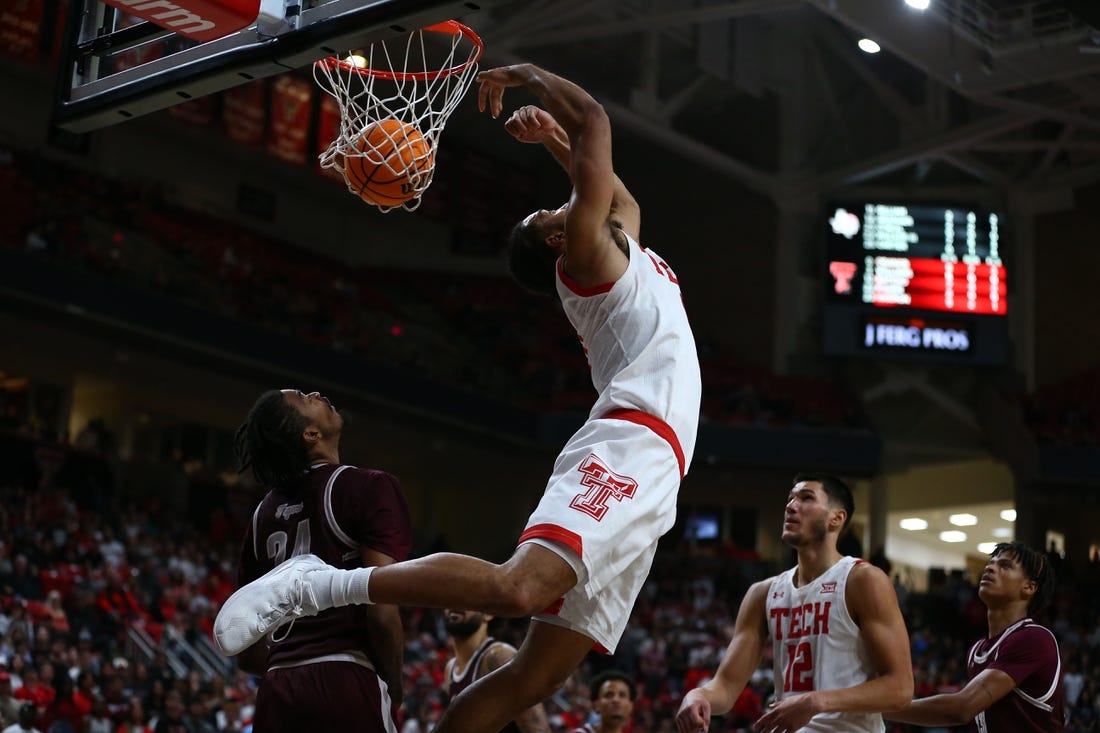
(799, 676)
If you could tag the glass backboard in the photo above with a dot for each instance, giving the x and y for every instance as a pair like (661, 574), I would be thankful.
(115, 66)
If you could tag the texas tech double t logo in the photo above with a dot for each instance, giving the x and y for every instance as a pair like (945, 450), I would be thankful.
(602, 484)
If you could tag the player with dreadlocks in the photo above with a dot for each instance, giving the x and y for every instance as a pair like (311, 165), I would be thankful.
(340, 669)
(1015, 672)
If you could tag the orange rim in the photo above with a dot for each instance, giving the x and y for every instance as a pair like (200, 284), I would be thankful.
(452, 27)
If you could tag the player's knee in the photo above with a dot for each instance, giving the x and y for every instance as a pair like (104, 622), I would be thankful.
(532, 580)
(520, 598)
(522, 594)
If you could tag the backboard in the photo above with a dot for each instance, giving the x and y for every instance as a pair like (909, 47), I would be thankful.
(115, 66)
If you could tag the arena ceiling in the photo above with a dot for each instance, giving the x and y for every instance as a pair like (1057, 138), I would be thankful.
(776, 95)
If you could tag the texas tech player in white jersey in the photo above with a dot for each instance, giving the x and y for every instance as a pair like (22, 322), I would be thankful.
(639, 344)
(613, 491)
(817, 645)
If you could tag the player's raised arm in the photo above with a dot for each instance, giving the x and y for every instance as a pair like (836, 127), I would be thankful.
(590, 252)
(743, 655)
(530, 124)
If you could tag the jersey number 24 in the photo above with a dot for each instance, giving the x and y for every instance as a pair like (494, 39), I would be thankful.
(277, 542)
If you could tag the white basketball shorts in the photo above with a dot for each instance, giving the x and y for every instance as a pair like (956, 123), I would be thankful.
(611, 497)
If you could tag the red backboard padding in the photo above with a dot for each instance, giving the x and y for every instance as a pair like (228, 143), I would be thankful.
(199, 20)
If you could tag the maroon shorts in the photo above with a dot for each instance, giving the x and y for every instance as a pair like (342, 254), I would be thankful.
(326, 696)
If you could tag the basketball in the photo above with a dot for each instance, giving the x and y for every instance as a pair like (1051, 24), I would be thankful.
(391, 163)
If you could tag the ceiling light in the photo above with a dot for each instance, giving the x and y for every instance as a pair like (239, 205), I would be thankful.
(913, 523)
(1009, 515)
(1002, 532)
(953, 535)
(987, 548)
(963, 520)
(868, 46)
(918, 4)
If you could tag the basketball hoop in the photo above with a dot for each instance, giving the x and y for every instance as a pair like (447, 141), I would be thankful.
(417, 79)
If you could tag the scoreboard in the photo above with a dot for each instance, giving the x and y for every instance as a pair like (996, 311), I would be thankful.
(915, 281)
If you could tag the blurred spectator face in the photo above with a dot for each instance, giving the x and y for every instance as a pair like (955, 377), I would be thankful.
(197, 708)
(231, 708)
(116, 687)
(42, 636)
(613, 702)
(86, 681)
(64, 685)
(173, 705)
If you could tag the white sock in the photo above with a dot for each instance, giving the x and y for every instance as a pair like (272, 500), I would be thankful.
(347, 587)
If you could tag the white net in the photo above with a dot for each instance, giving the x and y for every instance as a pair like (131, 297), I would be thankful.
(395, 98)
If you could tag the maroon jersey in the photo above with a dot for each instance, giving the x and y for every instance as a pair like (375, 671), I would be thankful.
(334, 512)
(1028, 653)
(471, 674)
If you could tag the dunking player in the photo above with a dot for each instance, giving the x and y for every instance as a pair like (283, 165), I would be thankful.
(476, 655)
(613, 695)
(340, 670)
(841, 651)
(589, 545)
(1016, 672)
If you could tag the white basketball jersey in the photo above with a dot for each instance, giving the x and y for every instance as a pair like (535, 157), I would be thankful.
(817, 645)
(639, 344)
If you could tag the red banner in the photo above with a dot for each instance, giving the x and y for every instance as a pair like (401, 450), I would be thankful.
(244, 110)
(291, 104)
(328, 129)
(21, 29)
(197, 112)
(58, 39)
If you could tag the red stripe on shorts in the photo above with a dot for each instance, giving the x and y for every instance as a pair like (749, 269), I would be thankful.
(657, 425)
(572, 540)
(555, 608)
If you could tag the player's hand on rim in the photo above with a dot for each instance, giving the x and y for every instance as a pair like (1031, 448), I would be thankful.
(493, 83)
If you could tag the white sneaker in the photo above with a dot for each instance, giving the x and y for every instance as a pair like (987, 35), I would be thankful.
(267, 603)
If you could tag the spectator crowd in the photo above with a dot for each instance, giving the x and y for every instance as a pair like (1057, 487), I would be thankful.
(104, 612)
(106, 602)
